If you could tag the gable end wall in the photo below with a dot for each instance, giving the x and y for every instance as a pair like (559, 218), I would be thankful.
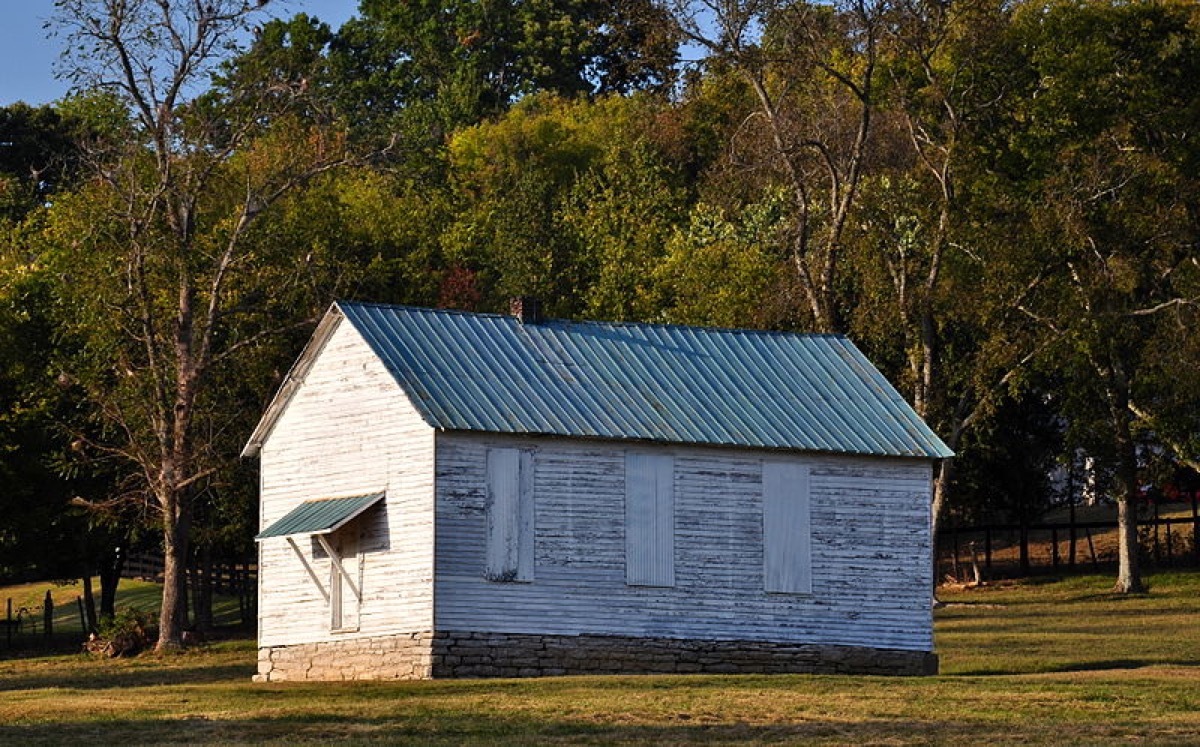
(348, 429)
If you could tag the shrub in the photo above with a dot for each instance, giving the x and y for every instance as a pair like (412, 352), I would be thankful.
(127, 633)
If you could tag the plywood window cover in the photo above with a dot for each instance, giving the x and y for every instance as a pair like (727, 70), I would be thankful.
(787, 528)
(649, 519)
(510, 515)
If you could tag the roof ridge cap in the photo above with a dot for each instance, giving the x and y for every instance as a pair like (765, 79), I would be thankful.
(597, 322)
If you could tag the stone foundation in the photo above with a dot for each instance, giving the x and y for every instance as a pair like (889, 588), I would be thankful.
(448, 655)
(521, 655)
(393, 657)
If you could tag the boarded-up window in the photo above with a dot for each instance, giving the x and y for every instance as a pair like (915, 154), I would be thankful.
(509, 515)
(787, 528)
(649, 519)
(345, 583)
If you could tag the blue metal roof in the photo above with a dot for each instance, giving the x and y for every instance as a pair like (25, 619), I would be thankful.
(667, 383)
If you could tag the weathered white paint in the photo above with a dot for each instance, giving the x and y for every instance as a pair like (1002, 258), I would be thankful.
(649, 518)
(510, 515)
(870, 554)
(787, 527)
(347, 429)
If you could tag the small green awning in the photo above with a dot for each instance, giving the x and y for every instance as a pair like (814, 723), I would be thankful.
(320, 516)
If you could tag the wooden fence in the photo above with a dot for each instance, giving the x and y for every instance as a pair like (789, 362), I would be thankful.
(977, 553)
(52, 625)
(42, 627)
(228, 576)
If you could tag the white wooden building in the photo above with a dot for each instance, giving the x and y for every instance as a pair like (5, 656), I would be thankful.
(454, 494)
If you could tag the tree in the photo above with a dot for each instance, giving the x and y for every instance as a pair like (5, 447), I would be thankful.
(537, 206)
(623, 212)
(43, 534)
(814, 72)
(36, 157)
(940, 267)
(436, 65)
(159, 281)
(35, 531)
(1104, 149)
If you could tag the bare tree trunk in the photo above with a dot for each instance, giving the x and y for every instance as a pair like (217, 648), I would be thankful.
(941, 485)
(173, 617)
(1129, 576)
(110, 577)
(89, 602)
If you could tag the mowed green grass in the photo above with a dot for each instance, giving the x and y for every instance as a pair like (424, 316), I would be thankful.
(1036, 663)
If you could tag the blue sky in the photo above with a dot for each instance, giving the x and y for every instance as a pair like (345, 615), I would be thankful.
(28, 57)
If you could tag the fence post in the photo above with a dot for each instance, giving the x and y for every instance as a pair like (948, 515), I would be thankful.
(1170, 550)
(1054, 547)
(1071, 547)
(954, 562)
(48, 616)
(1157, 557)
(1092, 550)
(1195, 528)
(8, 628)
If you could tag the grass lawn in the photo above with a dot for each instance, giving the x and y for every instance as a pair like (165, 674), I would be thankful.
(1044, 662)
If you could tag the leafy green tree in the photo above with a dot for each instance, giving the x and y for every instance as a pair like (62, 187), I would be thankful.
(537, 191)
(37, 157)
(1102, 144)
(723, 271)
(44, 533)
(160, 289)
(287, 63)
(442, 64)
(623, 213)
(814, 72)
(35, 526)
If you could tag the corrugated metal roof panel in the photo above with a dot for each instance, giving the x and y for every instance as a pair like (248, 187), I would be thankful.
(694, 385)
(320, 516)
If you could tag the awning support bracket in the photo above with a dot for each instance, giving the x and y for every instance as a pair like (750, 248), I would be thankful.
(311, 573)
(337, 563)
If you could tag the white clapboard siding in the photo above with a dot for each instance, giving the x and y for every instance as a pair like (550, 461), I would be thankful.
(649, 519)
(348, 430)
(787, 527)
(510, 514)
(870, 554)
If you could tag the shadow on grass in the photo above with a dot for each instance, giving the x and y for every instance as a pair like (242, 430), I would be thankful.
(442, 728)
(1113, 665)
(1101, 666)
(87, 677)
(1112, 596)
